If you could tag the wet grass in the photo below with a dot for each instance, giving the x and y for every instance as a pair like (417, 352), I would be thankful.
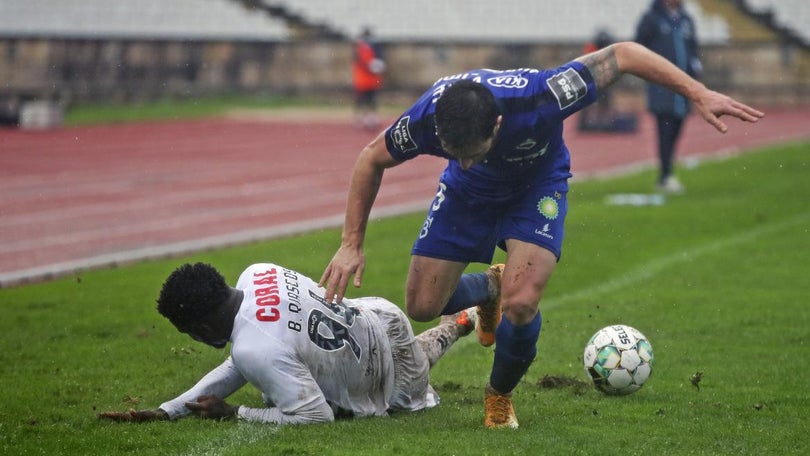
(716, 278)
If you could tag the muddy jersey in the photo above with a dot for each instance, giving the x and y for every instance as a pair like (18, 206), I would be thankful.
(529, 145)
(296, 348)
(305, 355)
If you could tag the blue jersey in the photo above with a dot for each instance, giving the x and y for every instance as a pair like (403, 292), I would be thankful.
(529, 147)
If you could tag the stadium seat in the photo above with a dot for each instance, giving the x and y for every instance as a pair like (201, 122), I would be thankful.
(504, 20)
(152, 19)
(790, 14)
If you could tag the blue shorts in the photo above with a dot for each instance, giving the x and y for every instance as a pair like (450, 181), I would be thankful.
(457, 229)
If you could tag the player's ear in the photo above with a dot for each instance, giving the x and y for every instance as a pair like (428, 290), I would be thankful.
(497, 126)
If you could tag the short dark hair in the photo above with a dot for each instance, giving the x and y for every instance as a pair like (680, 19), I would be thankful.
(465, 113)
(190, 293)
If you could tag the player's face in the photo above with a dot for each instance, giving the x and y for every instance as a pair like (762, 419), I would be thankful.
(206, 335)
(476, 152)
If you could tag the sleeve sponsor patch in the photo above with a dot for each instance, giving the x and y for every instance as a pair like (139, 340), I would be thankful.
(401, 135)
(567, 87)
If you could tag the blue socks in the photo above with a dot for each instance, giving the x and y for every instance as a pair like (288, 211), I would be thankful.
(515, 346)
(515, 349)
(471, 290)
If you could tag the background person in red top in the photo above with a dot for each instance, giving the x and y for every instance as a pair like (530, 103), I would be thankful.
(367, 70)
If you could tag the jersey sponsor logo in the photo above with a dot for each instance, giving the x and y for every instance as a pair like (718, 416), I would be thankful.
(544, 231)
(527, 144)
(567, 87)
(267, 295)
(548, 208)
(401, 135)
(513, 81)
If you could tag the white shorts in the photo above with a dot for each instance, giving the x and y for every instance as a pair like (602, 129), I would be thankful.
(412, 390)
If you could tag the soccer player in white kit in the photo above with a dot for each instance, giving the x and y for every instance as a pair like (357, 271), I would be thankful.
(311, 359)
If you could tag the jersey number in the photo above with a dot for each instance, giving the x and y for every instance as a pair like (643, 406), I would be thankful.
(339, 334)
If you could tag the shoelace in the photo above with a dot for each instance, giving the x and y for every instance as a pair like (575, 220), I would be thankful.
(498, 406)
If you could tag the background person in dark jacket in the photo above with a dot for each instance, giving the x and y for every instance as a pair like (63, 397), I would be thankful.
(667, 29)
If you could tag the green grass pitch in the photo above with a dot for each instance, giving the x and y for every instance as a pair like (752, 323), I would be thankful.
(717, 279)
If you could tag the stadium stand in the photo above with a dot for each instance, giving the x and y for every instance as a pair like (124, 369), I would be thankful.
(73, 50)
(517, 20)
(791, 15)
(490, 21)
(451, 20)
(29, 95)
(146, 19)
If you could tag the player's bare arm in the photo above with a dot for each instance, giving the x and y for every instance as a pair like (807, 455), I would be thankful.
(603, 67)
(610, 63)
(365, 183)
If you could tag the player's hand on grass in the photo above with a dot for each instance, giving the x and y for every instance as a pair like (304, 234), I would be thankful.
(346, 262)
(712, 105)
(212, 407)
(135, 415)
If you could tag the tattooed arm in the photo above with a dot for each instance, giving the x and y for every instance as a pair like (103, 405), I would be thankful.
(607, 65)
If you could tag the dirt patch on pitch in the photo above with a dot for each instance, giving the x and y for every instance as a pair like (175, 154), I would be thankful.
(560, 381)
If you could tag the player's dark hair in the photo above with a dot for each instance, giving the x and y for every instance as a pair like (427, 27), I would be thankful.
(190, 293)
(465, 114)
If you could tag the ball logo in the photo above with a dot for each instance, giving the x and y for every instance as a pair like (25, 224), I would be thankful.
(621, 334)
(619, 359)
(508, 81)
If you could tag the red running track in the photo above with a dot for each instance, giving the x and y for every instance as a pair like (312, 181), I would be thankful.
(73, 199)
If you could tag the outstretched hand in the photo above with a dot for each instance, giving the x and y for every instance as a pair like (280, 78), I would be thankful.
(135, 415)
(344, 264)
(712, 105)
(212, 407)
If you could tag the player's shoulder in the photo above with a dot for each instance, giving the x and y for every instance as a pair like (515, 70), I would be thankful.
(261, 269)
(256, 271)
(265, 264)
(520, 78)
(509, 80)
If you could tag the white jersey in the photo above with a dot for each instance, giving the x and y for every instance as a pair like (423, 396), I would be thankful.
(310, 358)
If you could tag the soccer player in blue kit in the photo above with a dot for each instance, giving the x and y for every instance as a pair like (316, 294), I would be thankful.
(505, 185)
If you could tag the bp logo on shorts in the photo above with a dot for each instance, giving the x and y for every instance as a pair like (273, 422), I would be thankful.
(547, 207)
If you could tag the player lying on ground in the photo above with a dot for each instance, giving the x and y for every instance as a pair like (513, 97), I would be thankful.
(505, 185)
(312, 360)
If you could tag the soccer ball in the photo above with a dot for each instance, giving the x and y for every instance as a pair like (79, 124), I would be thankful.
(619, 359)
